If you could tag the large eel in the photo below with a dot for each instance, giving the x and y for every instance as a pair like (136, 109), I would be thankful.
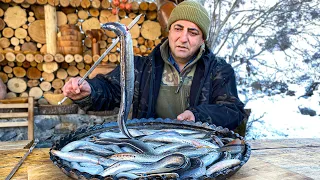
(127, 73)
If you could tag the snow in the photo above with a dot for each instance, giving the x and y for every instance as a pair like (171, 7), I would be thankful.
(278, 116)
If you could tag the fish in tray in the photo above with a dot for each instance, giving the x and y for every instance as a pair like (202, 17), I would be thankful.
(164, 149)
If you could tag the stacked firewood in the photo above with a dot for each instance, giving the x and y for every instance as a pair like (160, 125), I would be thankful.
(28, 69)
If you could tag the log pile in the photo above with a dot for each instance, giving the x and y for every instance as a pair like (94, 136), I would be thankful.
(31, 66)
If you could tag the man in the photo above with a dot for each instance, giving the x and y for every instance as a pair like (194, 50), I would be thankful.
(181, 79)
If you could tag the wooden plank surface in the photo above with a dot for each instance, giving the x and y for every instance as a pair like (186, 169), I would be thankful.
(267, 161)
(14, 100)
(11, 145)
(298, 155)
(6, 106)
(257, 169)
(14, 124)
(284, 143)
(15, 114)
(37, 165)
(44, 173)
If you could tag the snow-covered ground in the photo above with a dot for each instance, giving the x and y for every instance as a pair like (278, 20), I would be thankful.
(278, 116)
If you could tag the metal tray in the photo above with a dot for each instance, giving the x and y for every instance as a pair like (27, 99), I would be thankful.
(153, 124)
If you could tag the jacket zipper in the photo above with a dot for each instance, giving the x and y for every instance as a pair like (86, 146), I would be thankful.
(151, 89)
(180, 84)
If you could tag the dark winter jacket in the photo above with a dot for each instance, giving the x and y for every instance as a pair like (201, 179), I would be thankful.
(213, 96)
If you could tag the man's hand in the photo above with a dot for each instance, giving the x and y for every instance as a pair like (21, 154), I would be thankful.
(75, 92)
(187, 116)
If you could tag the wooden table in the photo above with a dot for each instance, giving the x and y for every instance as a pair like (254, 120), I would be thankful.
(270, 159)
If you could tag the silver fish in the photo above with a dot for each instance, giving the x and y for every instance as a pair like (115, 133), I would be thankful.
(87, 164)
(76, 144)
(118, 135)
(120, 167)
(196, 135)
(210, 158)
(169, 147)
(194, 152)
(96, 150)
(221, 165)
(169, 163)
(93, 170)
(180, 139)
(137, 145)
(127, 175)
(127, 149)
(114, 148)
(83, 157)
(136, 157)
(170, 175)
(126, 73)
(196, 170)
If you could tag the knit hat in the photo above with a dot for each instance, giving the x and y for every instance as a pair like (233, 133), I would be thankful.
(191, 11)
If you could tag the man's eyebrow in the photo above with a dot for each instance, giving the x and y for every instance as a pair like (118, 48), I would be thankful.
(189, 29)
(179, 25)
(193, 29)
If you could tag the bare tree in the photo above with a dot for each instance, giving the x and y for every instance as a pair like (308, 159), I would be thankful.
(245, 32)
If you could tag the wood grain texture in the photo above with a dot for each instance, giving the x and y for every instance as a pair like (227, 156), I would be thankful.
(14, 145)
(36, 166)
(298, 155)
(257, 169)
(289, 162)
(51, 28)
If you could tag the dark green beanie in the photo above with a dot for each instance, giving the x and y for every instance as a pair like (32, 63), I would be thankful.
(191, 11)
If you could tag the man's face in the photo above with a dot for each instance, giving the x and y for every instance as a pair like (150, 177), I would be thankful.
(185, 38)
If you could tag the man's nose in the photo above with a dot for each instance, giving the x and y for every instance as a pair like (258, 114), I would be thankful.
(184, 36)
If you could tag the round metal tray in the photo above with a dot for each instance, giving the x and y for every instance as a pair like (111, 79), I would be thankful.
(152, 124)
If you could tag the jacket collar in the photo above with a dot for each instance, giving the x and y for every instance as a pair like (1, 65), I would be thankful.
(206, 60)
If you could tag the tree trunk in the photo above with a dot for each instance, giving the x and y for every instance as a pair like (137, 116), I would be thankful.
(38, 58)
(33, 83)
(45, 86)
(15, 17)
(33, 73)
(62, 74)
(20, 57)
(73, 71)
(48, 76)
(37, 31)
(50, 67)
(59, 58)
(57, 84)
(151, 30)
(19, 71)
(35, 92)
(17, 85)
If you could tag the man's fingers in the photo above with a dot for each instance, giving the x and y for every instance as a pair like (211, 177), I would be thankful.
(186, 115)
(180, 117)
(183, 116)
(75, 85)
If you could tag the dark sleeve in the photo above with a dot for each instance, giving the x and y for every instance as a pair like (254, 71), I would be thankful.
(225, 108)
(105, 92)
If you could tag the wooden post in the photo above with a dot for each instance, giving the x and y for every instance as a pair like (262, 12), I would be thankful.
(30, 118)
(51, 28)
